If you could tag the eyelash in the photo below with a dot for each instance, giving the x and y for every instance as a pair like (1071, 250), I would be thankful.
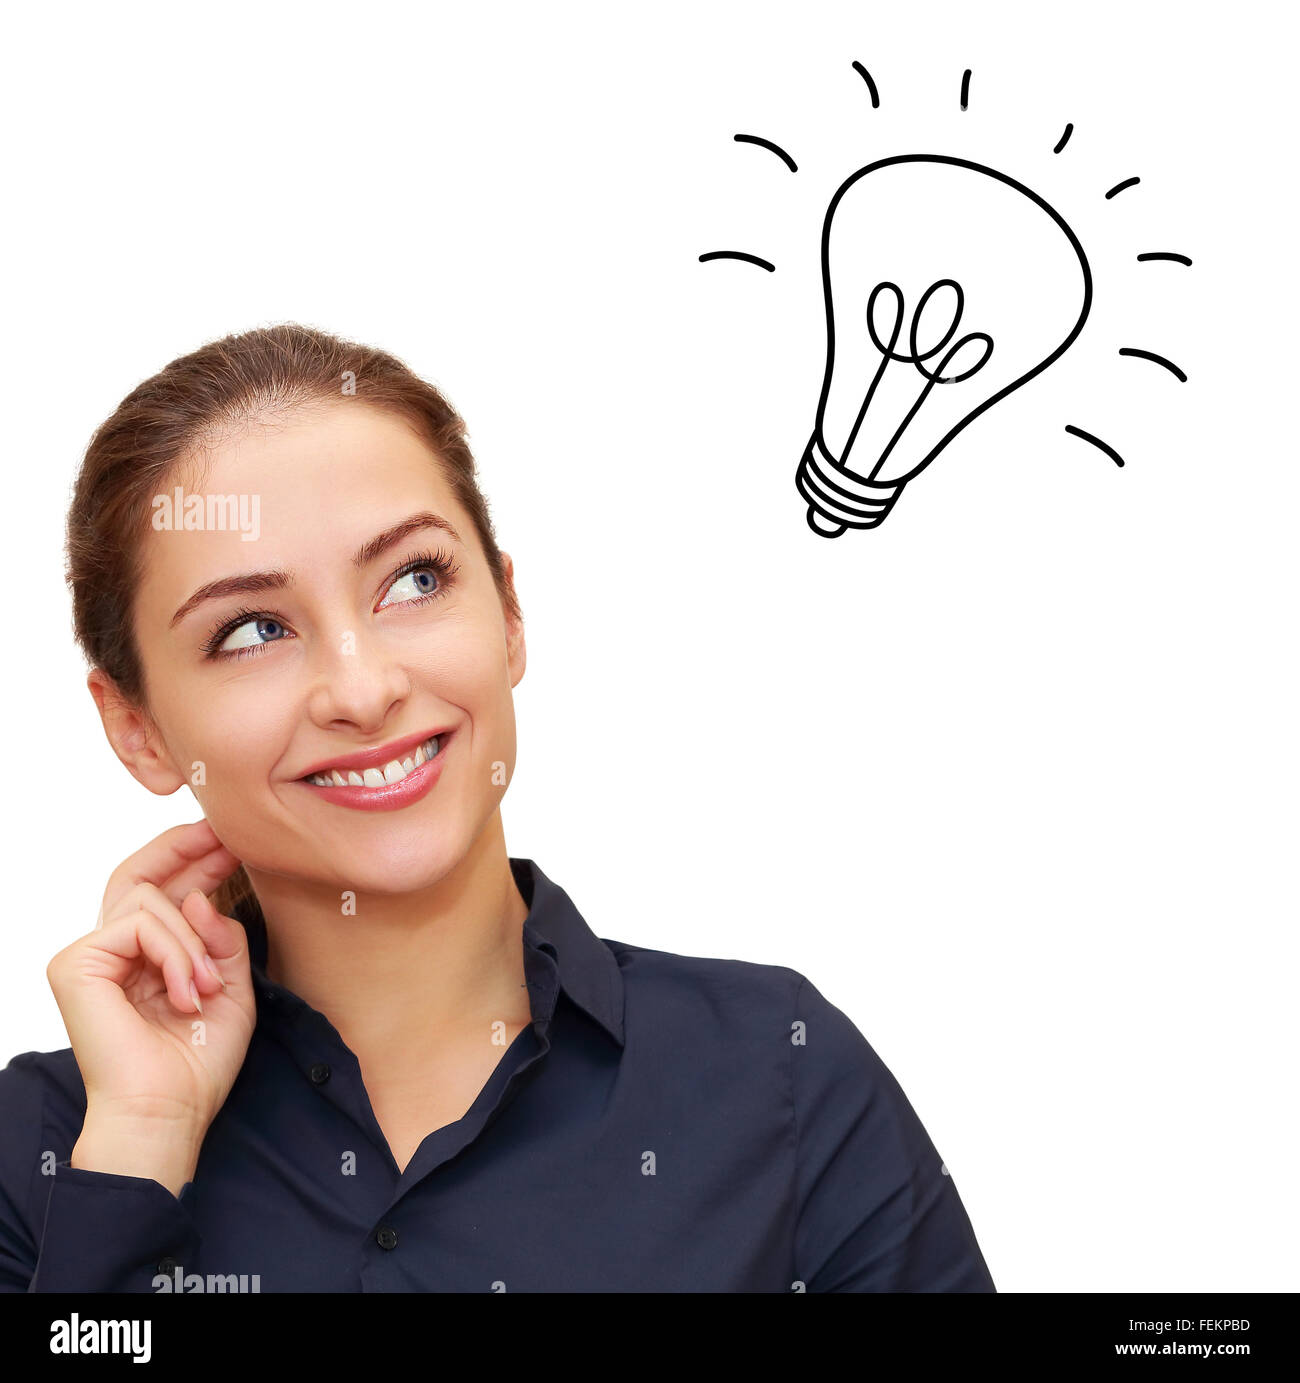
(439, 562)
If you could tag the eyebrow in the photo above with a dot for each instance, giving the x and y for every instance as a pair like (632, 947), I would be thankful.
(254, 581)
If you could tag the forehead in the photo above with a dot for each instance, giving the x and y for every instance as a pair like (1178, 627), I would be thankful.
(319, 483)
(332, 452)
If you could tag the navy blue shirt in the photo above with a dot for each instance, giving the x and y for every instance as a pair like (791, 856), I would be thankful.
(666, 1123)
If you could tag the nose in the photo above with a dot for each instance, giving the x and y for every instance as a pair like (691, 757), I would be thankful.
(357, 683)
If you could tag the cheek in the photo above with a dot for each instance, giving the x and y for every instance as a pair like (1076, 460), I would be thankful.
(478, 685)
(467, 667)
(232, 741)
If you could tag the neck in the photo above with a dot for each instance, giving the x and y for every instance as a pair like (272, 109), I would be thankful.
(408, 969)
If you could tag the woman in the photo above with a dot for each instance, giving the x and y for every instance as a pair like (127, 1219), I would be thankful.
(331, 1037)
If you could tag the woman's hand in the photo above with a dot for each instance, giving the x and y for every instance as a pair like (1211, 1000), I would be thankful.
(155, 1068)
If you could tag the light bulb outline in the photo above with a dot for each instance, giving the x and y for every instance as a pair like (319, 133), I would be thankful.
(891, 491)
(819, 472)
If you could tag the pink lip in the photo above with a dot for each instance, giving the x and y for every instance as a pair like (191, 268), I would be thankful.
(376, 758)
(410, 789)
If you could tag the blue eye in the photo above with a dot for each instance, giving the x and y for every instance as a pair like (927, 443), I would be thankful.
(414, 585)
(252, 633)
(426, 576)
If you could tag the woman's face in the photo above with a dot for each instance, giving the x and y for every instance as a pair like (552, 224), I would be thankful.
(331, 651)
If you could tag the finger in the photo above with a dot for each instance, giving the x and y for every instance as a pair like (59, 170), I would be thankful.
(182, 848)
(225, 939)
(151, 898)
(205, 874)
(114, 953)
(161, 858)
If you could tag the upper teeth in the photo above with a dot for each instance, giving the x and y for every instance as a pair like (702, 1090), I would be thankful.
(392, 772)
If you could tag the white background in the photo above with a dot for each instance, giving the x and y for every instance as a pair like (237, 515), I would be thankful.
(1011, 778)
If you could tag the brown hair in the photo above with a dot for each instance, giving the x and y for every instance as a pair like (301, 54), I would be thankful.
(225, 385)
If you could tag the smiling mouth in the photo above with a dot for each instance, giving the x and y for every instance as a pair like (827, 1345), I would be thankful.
(392, 772)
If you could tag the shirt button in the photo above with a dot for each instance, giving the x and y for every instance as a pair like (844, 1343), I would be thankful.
(168, 1266)
(319, 1073)
(386, 1238)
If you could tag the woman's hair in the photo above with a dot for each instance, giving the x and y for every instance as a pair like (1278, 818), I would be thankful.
(169, 419)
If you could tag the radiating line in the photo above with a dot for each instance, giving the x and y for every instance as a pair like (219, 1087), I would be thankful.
(1097, 442)
(871, 86)
(1164, 254)
(767, 144)
(1120, 186)
(738, 254)
(1064, 139)
(965, 87)
(1159, 360)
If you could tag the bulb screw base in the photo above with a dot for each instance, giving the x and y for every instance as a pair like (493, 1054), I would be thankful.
(838, 498)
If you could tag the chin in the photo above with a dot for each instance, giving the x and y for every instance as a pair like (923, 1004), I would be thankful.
(397, 866)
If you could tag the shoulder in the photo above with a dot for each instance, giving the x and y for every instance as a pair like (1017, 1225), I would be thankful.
(38, 1088)
(733, 987)
(736, 996)
(741, 983)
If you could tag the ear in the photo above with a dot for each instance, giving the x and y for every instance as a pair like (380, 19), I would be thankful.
(515, 647)
(134, 737)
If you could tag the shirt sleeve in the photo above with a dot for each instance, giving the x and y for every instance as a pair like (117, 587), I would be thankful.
(69, 1229)
(877, 1208)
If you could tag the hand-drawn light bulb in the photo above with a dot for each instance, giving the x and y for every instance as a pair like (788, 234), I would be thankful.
(909, 245)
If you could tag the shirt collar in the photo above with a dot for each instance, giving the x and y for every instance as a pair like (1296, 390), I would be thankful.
(588, 971)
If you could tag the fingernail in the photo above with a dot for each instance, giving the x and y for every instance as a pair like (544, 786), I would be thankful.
(194, 994)
(216, 974)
